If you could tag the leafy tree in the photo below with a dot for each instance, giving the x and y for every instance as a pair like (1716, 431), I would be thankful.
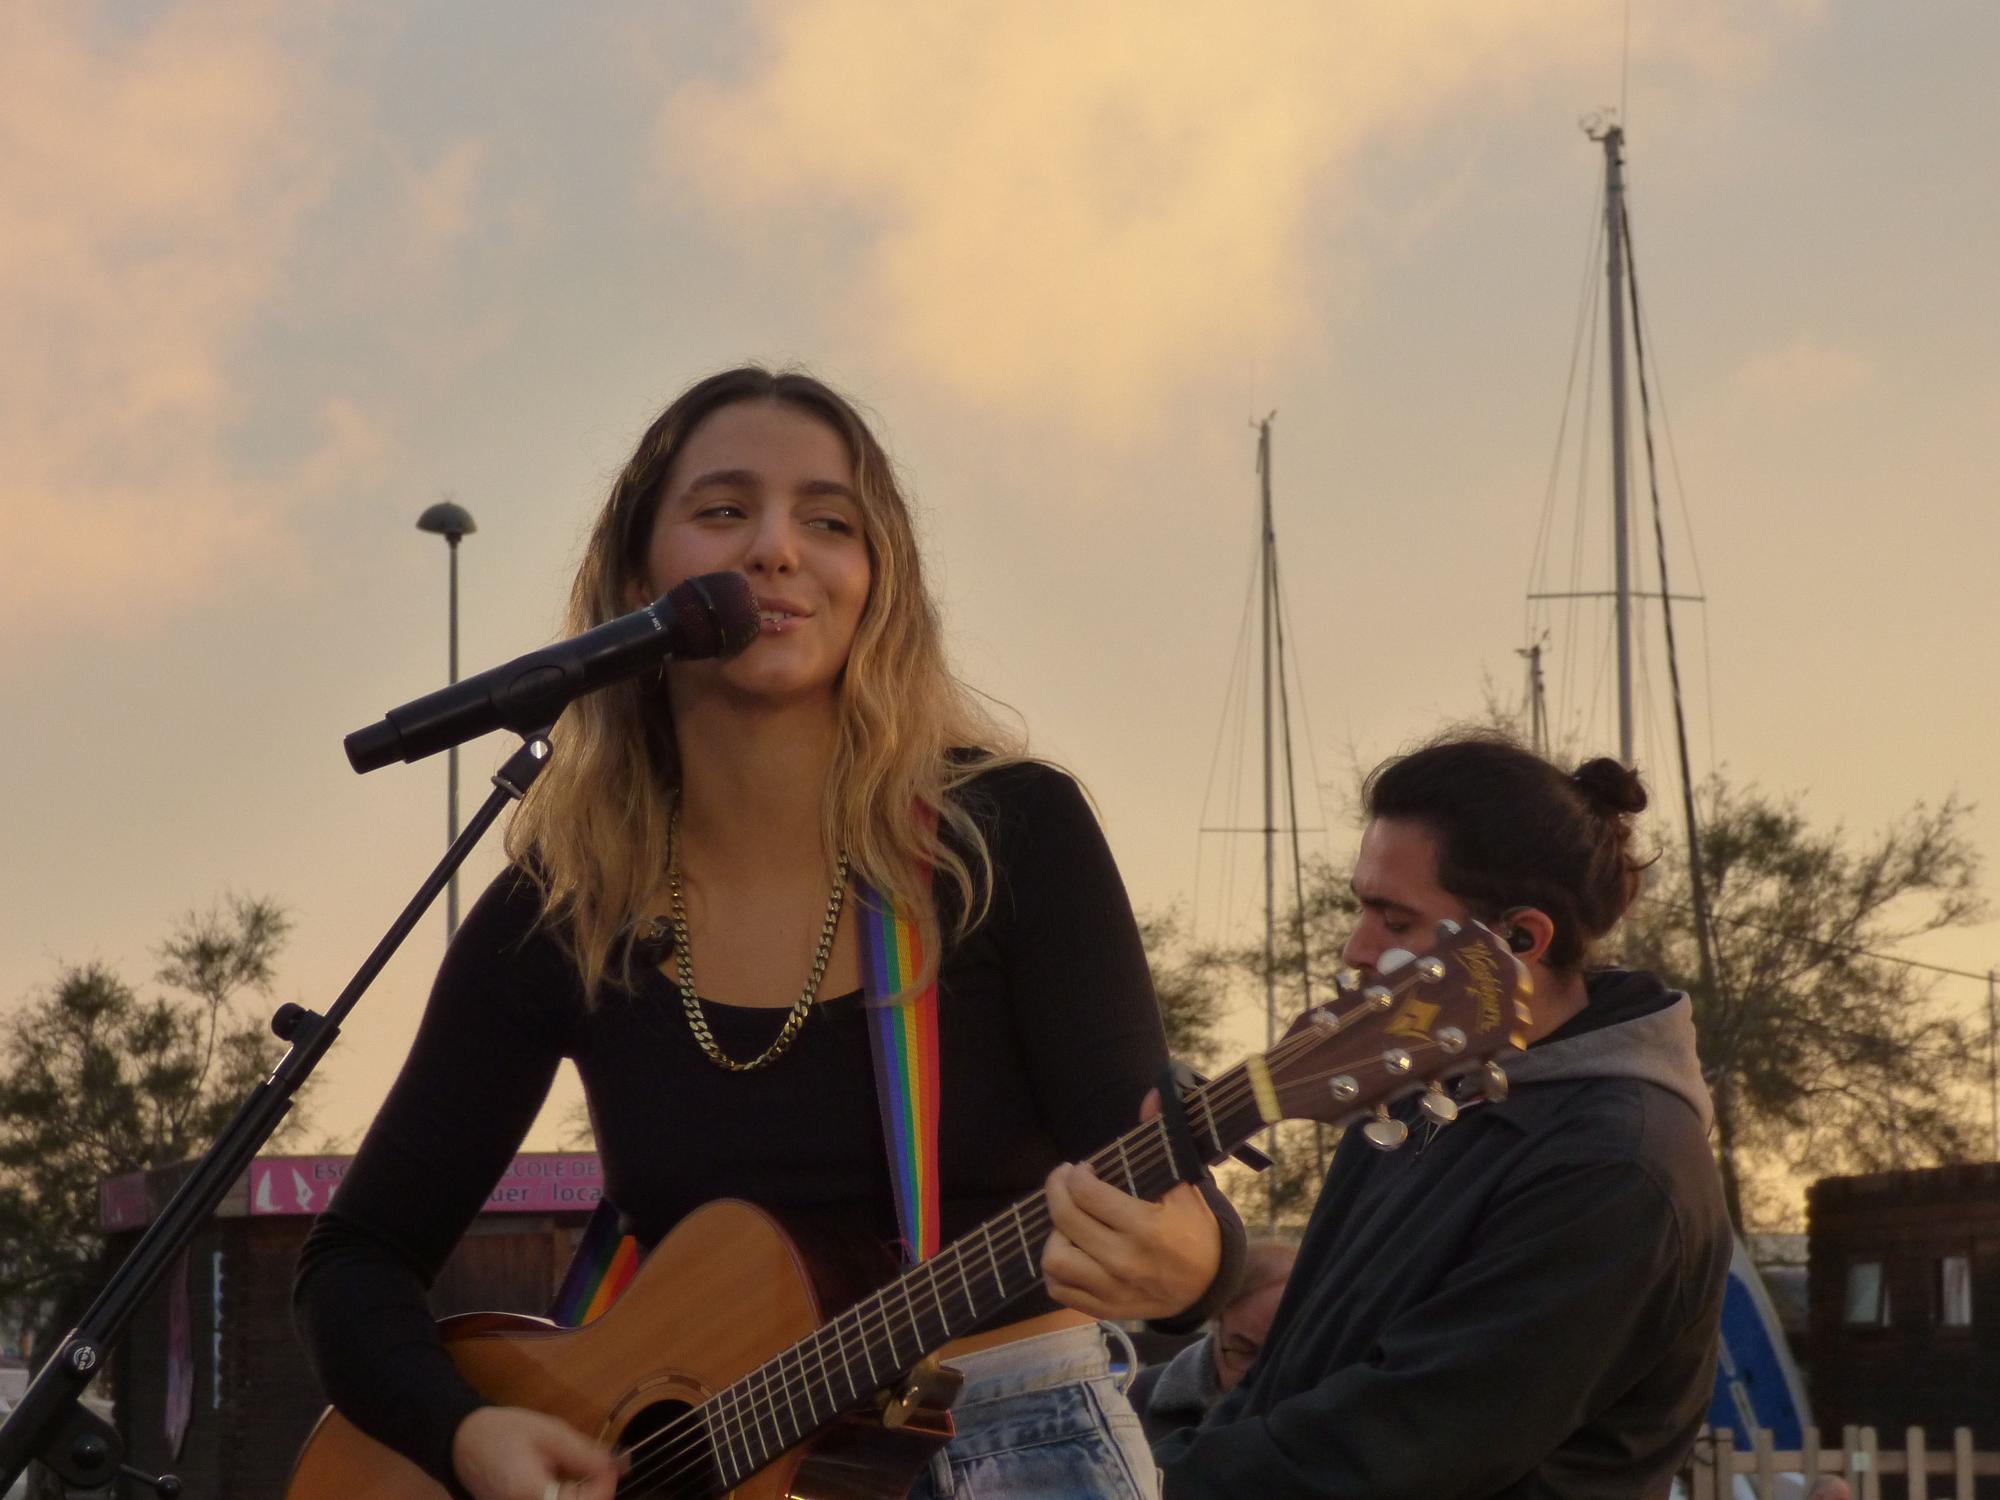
(96, 1081)
(1305, 956)
(1306, 947)
(1822, 1056)
(574, 1131)
(1188, 985)
(1200, 987)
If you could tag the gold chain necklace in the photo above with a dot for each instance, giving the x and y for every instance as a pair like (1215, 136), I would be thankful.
(684, 963)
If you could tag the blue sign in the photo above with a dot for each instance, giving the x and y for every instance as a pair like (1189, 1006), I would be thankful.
(1756, 1383)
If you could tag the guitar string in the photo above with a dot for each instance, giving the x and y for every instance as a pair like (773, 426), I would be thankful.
(756, 1390)
(761, 1390)
(745, 1459)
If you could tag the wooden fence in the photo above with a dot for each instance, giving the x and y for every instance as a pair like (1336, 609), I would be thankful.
(1859, 1458)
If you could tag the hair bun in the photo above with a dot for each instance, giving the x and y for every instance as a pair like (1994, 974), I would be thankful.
(1611, 786)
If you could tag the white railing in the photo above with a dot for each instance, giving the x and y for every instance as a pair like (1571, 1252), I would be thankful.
(1772, 1473)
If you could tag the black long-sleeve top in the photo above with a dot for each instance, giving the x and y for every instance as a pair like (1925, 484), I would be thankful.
(1049, 1037)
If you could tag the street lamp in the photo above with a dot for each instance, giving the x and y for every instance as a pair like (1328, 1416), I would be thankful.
(450, 521)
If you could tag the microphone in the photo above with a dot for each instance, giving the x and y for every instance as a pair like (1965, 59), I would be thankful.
(713, 615)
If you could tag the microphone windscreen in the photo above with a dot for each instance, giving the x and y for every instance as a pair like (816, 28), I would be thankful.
(715, 615)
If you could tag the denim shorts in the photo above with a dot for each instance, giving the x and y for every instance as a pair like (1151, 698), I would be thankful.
(1042, 1419)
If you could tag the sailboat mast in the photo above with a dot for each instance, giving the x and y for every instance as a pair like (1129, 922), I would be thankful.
(1614, 237)
(1537, 700)
(1268, 596)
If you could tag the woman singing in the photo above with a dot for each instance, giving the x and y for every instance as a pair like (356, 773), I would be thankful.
(679, 918)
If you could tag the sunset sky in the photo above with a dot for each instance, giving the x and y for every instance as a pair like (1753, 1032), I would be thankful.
(275, 277)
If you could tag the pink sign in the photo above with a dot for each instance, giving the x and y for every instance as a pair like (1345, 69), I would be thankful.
(534, 1182)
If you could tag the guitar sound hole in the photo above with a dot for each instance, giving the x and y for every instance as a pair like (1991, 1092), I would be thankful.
(670, 1455)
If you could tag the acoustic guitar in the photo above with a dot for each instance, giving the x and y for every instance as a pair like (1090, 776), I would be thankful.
(719, 1372)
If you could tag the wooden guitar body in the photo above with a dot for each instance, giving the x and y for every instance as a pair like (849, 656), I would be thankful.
(719, 1295)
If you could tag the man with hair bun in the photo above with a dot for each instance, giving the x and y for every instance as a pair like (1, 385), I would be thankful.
(1524, 1304)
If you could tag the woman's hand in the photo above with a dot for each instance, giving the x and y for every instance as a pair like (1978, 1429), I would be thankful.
(1115, 1256)
(511, 1453)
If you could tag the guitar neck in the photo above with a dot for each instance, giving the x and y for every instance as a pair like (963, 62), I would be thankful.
(848, 1359)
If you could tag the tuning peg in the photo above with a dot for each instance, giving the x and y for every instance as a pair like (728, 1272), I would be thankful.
(1450, 1040)
(1493, 1082)
(1439, 1105)
(1430, 969)
(1393, 959)
(1384, 1132)
(1347, 979)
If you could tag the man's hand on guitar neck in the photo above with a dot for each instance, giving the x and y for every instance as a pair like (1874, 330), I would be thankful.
(511, 1453)
(1115, 1256)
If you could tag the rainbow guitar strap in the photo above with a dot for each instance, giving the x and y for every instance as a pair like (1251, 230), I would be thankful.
(605, 1261)
(903, 1035)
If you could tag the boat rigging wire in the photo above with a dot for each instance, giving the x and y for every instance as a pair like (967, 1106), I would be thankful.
(1713, 979)
(1687, 531)
(1305, 714)
(1232, 713)
(1587, 315)
(1230, 763)
(1585, 321)
(1818, 942)
(1291, 790)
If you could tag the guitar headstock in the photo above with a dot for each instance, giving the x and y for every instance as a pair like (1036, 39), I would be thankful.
(1434, 1018)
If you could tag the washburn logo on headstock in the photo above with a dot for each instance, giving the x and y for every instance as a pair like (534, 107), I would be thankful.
(1482, 982)
(1414, 1020)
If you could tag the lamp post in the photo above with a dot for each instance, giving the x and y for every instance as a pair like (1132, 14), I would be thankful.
(452, 522)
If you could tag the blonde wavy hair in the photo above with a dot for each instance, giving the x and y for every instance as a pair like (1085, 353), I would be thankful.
(593, 831)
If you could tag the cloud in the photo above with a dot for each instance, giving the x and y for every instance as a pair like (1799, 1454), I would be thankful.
(1807, 373)
(441, 200)
(1076, 208)
(447, 195)
(152, 178)
(351, 448)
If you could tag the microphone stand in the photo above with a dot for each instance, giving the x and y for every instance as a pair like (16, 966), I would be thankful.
(50, 1423)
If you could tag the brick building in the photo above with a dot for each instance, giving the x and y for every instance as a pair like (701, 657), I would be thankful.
(1905, 1301)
